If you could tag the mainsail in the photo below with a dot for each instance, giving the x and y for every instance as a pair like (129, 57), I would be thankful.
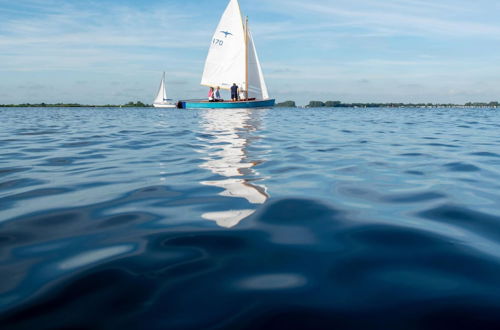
(232, 46)
(162, 93)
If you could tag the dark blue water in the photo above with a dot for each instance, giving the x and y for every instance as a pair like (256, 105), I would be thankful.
(170, 219)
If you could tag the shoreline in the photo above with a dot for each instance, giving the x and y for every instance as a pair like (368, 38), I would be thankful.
(284, 104)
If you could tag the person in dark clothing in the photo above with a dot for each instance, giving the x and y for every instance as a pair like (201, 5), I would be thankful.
(234, 92)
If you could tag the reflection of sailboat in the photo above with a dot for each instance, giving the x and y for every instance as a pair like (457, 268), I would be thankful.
(162, 101)
(232, 58)
(227, 157)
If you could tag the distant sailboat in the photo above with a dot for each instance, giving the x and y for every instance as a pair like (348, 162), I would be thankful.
(162, 101)
(232, 58)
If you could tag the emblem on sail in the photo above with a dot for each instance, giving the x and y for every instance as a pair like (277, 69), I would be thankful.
(226, 33)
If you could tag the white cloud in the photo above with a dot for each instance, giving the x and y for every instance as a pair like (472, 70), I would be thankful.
(397, 17)
(72, 37)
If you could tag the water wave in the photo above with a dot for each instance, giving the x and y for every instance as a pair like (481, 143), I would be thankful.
(325, 218)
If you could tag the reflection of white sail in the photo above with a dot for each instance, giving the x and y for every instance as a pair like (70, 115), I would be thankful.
(240, 188)
(228, 219)
(227, 158)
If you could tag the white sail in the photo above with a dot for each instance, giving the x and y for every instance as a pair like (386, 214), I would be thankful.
(161, 100)
(256, 84)
(225, 62)
(231, 54)
(162, 93)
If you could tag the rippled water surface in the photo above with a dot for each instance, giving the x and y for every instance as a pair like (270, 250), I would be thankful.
(284, 218)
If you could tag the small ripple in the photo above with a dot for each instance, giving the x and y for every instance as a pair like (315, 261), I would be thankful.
(45, 132)
(59, 161)
(477, 222)
(328, 150)
(273, 282)
(299, 211)
(12, 170)
(413, 198)
(181, 133)
(442, 145)
(80, 144)
(93, 256)
(419, 173)
(485, 154)
(125, 219)
(285, 169)
(36, 193)
(127, 132)
(413, 154)
(9, 238)
(37, 150)
(64, 218)
(19, 183)
(359, 192)
(462, 167)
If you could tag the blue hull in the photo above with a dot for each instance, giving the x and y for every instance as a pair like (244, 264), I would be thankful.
(226, 105)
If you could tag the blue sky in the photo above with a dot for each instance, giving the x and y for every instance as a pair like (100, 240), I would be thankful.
(106, 51)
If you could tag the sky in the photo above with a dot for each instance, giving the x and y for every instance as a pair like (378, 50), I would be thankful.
(113, 52)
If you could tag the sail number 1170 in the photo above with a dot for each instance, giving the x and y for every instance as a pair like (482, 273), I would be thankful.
(218, 42)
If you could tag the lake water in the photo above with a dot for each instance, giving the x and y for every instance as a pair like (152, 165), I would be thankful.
(284, 218)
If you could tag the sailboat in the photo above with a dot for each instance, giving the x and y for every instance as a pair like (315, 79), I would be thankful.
(232, 59)
(161, 100)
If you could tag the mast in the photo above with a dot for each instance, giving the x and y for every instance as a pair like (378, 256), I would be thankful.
(246, 57)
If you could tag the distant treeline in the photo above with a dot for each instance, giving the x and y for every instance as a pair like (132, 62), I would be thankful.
(339, 104)
(137, 104)
(287, 104)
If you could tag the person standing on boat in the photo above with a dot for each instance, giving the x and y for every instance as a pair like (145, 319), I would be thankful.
(211, 94)
(234, 92)
(217, 95)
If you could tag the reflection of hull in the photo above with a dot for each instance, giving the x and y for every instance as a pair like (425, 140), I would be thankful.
(193, 104)
(165, 105)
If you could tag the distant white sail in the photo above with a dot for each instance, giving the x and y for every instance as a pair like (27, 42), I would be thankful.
(162, 92)
(161, 100)
(225, 62)
(256, 84)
